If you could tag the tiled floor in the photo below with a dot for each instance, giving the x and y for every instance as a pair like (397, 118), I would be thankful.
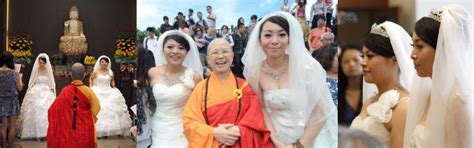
(112, 142)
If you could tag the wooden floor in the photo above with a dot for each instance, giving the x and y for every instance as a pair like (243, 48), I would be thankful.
(112, 142)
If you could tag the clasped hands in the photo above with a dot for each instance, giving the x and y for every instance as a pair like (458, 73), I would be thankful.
(226, 134)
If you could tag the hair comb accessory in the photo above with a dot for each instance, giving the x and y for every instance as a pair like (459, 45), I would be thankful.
(379, 30)
(435, 14)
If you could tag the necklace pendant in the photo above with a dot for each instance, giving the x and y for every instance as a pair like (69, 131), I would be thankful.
(276, 77)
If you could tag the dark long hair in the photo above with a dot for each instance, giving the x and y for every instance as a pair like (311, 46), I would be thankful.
(7, 60)
(325, 55)
(145, 61)
(343, 84)
(180, 39)
(43, 59)
(280, 21)
(379, 44)
(428, 29)
(302, 4)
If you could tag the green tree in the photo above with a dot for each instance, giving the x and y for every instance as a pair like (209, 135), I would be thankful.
(140, 36)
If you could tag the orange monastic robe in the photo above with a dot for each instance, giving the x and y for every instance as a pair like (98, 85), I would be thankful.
(223, 108)
(64, 129)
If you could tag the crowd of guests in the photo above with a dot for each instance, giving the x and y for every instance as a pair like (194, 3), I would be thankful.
(203, 31)
(317, 29)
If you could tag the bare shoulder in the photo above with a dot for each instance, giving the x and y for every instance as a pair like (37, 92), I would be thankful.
(197, 77)
(402, 104)
(155, 70)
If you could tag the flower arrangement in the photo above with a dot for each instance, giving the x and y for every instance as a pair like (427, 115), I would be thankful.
(89, 60)
(20, 46)
(126, 47)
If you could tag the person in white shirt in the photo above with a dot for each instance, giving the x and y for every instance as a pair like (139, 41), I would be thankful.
(227, 35)
(151, 41)
(211, 19)
(200, 21)
(285, 6)
(190, 16)
(318, 9)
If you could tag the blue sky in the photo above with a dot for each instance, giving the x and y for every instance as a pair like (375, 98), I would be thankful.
(151, 12)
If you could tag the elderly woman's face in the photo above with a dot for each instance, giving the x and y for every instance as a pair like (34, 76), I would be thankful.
(220, 56)
(274, 40)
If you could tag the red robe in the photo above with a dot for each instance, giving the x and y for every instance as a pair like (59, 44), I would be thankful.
(222, 108)
(60, 117)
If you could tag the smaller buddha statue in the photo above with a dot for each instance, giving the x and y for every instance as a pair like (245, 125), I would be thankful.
(73, 42)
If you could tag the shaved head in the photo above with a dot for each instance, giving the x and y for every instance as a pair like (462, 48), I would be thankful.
(217, 44)
(78, 71)
(220, 56)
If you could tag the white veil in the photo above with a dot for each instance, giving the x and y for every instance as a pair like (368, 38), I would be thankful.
(401, 44)
(97, 65)
(452, 76)
(192, 57)
(49, 72)
(313, 104)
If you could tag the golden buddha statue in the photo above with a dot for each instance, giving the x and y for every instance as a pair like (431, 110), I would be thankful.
(73, 42)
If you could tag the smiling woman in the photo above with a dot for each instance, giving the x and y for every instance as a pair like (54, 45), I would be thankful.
(290, 83)
(177, 71)
(223, 110)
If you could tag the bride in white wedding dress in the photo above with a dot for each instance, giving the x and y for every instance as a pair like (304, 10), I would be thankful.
(441, 113)
(386, 65)
(177, 70)
(33, 120)
(113, 117)
(298, 108)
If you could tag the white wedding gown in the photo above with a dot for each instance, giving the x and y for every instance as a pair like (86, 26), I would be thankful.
(166, 123)
(277, 104)
(418, 136)
(113, 117)
(378, 113)
(33, 120)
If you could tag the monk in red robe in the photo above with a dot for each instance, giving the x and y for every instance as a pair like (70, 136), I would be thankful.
(73, 114)
(223, 110)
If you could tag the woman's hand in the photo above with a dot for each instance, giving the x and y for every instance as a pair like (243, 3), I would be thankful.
(222, 135)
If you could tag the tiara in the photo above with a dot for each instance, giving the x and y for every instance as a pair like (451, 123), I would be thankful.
(379, 30)
(435, 14)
